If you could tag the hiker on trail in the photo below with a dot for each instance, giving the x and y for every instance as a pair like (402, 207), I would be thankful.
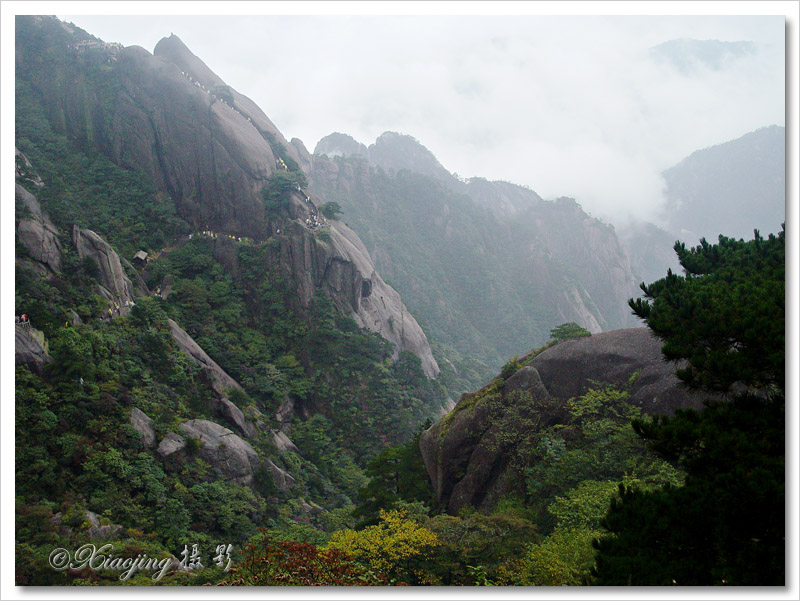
(110, 313)
(24, 318)
(16, 319)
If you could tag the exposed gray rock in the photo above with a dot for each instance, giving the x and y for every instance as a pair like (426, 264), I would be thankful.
(340, 145)
(171, 443)
(568, 368)
(282, 479)
(467, 453)
(112, 277)
(344, 267)
(144, 426)
(30, 347)
(231, 413)
(37, 233)
(24, 169)
(285, 414)
(303, 154)
(282, 442)
(98, 529)
(139, 287)
(221, 381)
(223, 449)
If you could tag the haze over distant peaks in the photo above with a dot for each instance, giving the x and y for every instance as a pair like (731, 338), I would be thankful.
(687, 54)
(730, 188)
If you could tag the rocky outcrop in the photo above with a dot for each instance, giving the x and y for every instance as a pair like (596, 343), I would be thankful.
(303, 156)
(282, 479)
(568, 369)
(94, 527)
(24, 170)
(172, 49)
(222, 449)
(144, 426)
(220, 381)
(115, 284)
(208, 148)
(36, 232)
(170, 444)
(30, 347)
(467, 452)
(344, 267)
(234, 457)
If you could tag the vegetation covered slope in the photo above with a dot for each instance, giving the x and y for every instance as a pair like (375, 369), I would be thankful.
(80, 446)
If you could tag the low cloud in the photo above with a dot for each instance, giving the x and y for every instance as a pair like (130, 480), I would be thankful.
(572, 106)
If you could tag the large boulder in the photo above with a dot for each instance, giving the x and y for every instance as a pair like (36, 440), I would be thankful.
(468, 451)
(144, 426)
(36, 232)
(30, 347)
(569, 368)
(220, 447)
(114, 282)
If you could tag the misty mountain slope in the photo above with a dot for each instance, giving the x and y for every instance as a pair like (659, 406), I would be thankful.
(208, 152)
(486, 277)
(731, 188)
(650, 249)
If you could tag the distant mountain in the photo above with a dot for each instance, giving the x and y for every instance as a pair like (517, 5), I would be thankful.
(687, 54)
(730, 188)
(489, 268)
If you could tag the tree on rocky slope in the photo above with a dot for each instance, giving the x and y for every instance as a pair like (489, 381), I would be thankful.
(726, 524)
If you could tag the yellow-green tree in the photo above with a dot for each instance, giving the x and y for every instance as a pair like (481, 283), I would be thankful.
(396, 546)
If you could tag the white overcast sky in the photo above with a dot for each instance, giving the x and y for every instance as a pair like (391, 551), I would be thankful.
(567, 105)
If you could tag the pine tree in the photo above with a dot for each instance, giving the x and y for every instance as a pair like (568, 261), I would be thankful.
(726, 524)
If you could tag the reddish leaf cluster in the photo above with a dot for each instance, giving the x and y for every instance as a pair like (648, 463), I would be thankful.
(274, 563)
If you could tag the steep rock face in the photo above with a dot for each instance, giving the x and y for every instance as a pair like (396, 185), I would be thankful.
(172, 49)
(116, 285)
(36, 232)
(486, 286)
(593, 250)
(144, 113)
(651, 251)
(502, 198)
(466, 453)
(344, 266)
(30, 347)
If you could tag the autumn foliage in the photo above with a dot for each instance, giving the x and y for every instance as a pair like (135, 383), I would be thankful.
(272, 563)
